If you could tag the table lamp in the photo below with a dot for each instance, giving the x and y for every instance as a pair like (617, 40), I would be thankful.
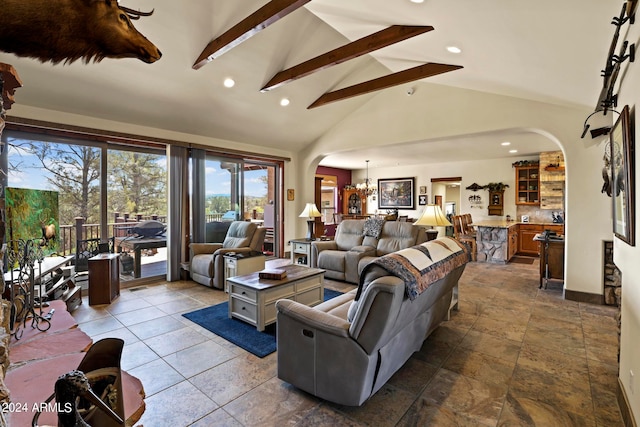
(432, 216)
(311, 212)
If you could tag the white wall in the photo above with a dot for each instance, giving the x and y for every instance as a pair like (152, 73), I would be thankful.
(453, 195)
(437, 112)
(626, 257)
(497, 170)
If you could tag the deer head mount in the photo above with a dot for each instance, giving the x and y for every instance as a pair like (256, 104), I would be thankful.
(68, 30)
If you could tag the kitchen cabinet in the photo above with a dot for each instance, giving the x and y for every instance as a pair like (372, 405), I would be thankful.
(513, 242)
(496, 203)
(551, 261)
(526, 244)
(528, 185)
(526, 233)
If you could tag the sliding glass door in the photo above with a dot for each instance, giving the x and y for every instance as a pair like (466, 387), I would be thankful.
(260, 200)
(237, 190)
(94, 191)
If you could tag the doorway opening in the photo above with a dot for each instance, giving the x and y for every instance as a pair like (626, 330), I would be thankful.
(446, 193)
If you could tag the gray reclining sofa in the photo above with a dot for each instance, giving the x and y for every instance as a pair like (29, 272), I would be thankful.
(355, 245)
(345, 350)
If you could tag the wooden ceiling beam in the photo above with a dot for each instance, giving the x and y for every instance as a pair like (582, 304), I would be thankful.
(415, 73)
(248, 27)
(370, 43)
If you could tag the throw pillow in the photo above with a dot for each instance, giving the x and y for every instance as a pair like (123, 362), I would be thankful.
(373, 227)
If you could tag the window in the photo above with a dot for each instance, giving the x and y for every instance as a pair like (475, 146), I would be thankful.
(134, 187)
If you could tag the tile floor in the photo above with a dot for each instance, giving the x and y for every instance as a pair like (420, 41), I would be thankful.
(513, 355)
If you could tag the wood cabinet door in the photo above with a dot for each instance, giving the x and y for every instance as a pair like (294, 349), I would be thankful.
(526, 244)
(558, 228)
(513, 241)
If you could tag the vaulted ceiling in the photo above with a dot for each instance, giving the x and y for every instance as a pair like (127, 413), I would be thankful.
(546, 50)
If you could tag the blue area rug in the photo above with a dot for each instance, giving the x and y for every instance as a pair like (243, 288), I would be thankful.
(216, 319)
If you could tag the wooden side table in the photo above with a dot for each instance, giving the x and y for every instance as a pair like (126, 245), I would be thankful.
(104, 278)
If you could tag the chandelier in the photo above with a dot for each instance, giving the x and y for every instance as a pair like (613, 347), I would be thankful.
(366, 188)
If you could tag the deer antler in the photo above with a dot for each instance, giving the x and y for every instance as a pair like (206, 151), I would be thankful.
(135, 14)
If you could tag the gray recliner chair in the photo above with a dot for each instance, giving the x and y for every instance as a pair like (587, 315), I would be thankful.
(207, 259)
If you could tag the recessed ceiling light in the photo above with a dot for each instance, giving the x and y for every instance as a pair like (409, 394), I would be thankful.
(454, 49)
(284, 102)
(416, 1)
(505, 143)
(513, 151)
(229, 82)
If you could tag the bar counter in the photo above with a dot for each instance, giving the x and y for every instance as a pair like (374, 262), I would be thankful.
(497, 240)
(492, 241)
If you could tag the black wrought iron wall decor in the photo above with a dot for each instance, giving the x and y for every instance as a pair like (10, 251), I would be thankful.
(608, 98)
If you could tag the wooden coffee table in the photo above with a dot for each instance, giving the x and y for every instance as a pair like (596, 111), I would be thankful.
(253, 300)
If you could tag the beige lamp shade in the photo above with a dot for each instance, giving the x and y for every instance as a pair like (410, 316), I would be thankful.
(433, 216)
(310, 211)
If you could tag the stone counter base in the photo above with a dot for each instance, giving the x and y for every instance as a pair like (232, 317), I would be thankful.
(492, 245)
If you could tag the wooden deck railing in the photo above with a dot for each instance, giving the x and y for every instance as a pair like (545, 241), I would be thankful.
(122, 225)
(70, 234)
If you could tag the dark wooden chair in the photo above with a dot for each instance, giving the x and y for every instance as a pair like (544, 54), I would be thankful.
(465, 220)
(462, 237)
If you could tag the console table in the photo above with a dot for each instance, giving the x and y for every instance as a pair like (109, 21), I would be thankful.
(253, 300)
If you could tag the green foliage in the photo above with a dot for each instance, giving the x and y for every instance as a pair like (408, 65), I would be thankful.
(75, 173)
(217, 204)
(137, 183)
(30, 210)
(495, 186)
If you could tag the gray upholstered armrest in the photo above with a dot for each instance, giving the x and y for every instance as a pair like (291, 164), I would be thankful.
(204, 248)
(222, 251)
(365, 250)
(322, 245)
(315, 319)
(319, 246)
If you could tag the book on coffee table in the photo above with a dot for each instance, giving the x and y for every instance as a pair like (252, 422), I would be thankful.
(272, 274)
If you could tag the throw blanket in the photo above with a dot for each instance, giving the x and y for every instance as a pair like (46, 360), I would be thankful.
(422, 265)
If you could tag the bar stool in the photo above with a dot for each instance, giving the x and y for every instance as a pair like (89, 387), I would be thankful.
(459, 235)
(465, 220)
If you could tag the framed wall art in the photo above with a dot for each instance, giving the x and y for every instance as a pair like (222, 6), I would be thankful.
(396, 193)
(623, 178)
(423, 189)
(422, 199)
